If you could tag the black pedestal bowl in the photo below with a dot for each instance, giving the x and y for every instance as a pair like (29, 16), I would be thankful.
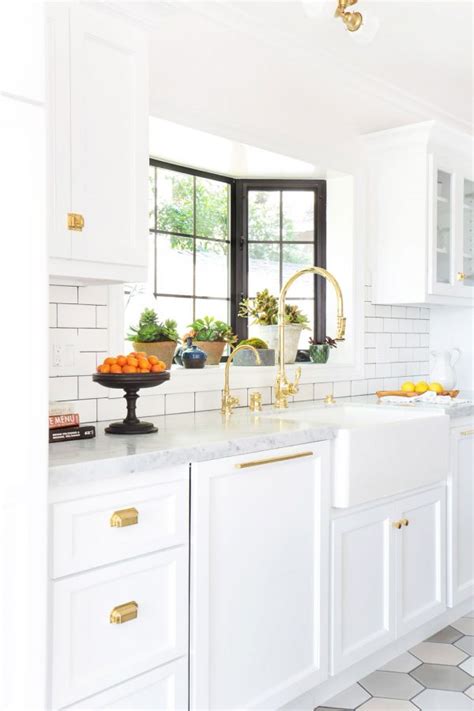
(131, 383)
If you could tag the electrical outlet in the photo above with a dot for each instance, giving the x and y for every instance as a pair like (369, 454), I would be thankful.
(64, 352)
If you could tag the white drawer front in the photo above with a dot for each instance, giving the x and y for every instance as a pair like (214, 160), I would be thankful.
(84, 538)
(91, 654)
(163, 689)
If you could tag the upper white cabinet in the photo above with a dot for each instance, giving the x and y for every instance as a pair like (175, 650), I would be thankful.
(421, 214)
(461, 516)
(97, 98)
(259, 577)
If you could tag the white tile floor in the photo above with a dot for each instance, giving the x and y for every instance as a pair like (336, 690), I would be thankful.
(436, 675)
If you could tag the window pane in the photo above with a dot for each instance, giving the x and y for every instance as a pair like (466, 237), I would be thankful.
(151, 197)
(264, 268)
(307, 307)
(175, 201)
(298, 215)
(296, 257)
(174, 264)
(219, 308)
(136, 298)
(212, 267)
(264, 215)
(212, 209)
(180, 310)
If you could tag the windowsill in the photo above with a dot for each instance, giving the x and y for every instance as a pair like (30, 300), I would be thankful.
(212, 377)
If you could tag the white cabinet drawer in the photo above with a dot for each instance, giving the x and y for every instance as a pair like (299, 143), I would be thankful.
(83, 536)
(163, 689)
(89, 652)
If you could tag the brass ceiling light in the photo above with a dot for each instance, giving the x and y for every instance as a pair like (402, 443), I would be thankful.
(352, 20)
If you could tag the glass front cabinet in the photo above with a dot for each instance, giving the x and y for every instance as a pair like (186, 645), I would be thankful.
(451, 238)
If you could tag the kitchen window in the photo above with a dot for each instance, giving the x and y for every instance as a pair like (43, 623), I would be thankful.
(215, 240)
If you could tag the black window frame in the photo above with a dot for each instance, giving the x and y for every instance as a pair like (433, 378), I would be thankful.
(238, 235)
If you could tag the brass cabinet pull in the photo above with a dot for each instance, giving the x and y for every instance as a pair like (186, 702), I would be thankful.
(460, 276)
(125, 517)
(124, 613)
(467, 433)
(397, 524)
(75, 222)
(271, 460)
(404, 522)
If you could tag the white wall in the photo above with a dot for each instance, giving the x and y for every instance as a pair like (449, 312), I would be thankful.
(453, 327)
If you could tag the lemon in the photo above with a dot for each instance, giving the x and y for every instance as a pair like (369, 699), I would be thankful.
(421, 387)
(436, 387)
(408, 387)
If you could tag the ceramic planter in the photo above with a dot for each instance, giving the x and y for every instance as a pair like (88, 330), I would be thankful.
(269, 334)
(267, 357)
(163, 350)
(213, 350)
(319, 353)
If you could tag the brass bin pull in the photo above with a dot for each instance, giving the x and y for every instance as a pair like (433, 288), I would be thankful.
(404, 522)
(125, 517)
(460, 276)
(271, 460)
(467, 433)
(124, 613)
(397, 524)
(75, 222)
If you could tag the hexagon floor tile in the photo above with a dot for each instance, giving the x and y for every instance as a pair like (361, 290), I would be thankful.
(391, 685)
(435, 700)
(446, 636)
(433, 653)
(404, 663)
(465, 625)
(470, 692)
(350, 698)
(468, 666)
(376, 704)
(437, 676)
(466, 644)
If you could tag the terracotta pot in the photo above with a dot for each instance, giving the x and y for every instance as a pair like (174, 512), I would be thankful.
(163, 350)
(214, 350)
(269, 334)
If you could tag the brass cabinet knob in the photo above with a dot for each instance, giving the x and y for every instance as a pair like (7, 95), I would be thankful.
(404, 522)
(75, 222)
(256, 402)
(124, 613)
(125, 517)
(460, 276)
(397, 524)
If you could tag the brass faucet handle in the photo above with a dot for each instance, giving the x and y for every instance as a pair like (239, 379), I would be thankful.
(228, 403)
(294, 387)
(256, 402)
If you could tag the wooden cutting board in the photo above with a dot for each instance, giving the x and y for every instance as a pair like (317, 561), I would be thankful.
(402, 393)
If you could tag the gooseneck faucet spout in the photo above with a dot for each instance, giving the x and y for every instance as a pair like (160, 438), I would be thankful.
(283, 387)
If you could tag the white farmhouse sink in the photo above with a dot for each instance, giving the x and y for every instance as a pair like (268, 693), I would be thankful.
(380, 451)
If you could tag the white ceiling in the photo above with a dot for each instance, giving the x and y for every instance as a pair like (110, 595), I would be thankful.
(285, 75)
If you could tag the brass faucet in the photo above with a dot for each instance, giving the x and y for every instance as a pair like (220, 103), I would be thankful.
(228, 402)
(283, 388)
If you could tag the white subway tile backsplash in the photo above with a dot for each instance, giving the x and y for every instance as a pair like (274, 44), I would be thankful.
(374, 325)
(370, 355)
(390, 384)
(110, 409)
(93, 294)
(369, 370)
(369, 309)
(383, 370)
(89, 389)
(179, 402)
(208, 400)
(322, 390)
(76, 316)
(102, 316)
(266, 394)
(150, 406)
(370, 340)
(305, 392)
(390, 325)
(399, 340)
(87, 364)
(413, 340)
(86, 409)
(63, 294)
(374, 384)
(413, 312)
(63, 388)
(342, 388)
(93, 339)
(399, 311)
(359, 387)
(53, 315)
(424, 340)
(383, 311)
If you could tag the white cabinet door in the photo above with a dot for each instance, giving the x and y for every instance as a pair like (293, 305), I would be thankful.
(91, 653)
(163, 689)
(421, 559)
(98, 103)
(363, 585)
(259, 577)
(461, 517)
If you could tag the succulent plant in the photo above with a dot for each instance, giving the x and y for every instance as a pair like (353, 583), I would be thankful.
(210, 329)
(151, 330)
(263, 309)
(255, 342)
(328, 341)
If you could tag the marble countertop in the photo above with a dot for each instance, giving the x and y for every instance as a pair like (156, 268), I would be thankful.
(194, 437)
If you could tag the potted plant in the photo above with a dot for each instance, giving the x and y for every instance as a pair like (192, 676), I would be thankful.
(155, 337)
(319, 350)
(211, 336)
(263, 312)
(267, 355)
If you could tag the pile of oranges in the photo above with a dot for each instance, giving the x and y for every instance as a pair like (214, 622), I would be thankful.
(132, 363)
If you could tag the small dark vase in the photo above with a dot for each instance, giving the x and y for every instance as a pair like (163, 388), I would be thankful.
(191, 356)
(319, 353)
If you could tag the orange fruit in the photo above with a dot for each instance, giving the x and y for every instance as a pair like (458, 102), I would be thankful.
(115, 369)
(133, 354)
(142, 354)
(143, 363)
(121, 360)
(131, 360)
(129, 369)
(144, 370)
(153, 360)
(105, 368)
(157, 368)
(110, 361)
